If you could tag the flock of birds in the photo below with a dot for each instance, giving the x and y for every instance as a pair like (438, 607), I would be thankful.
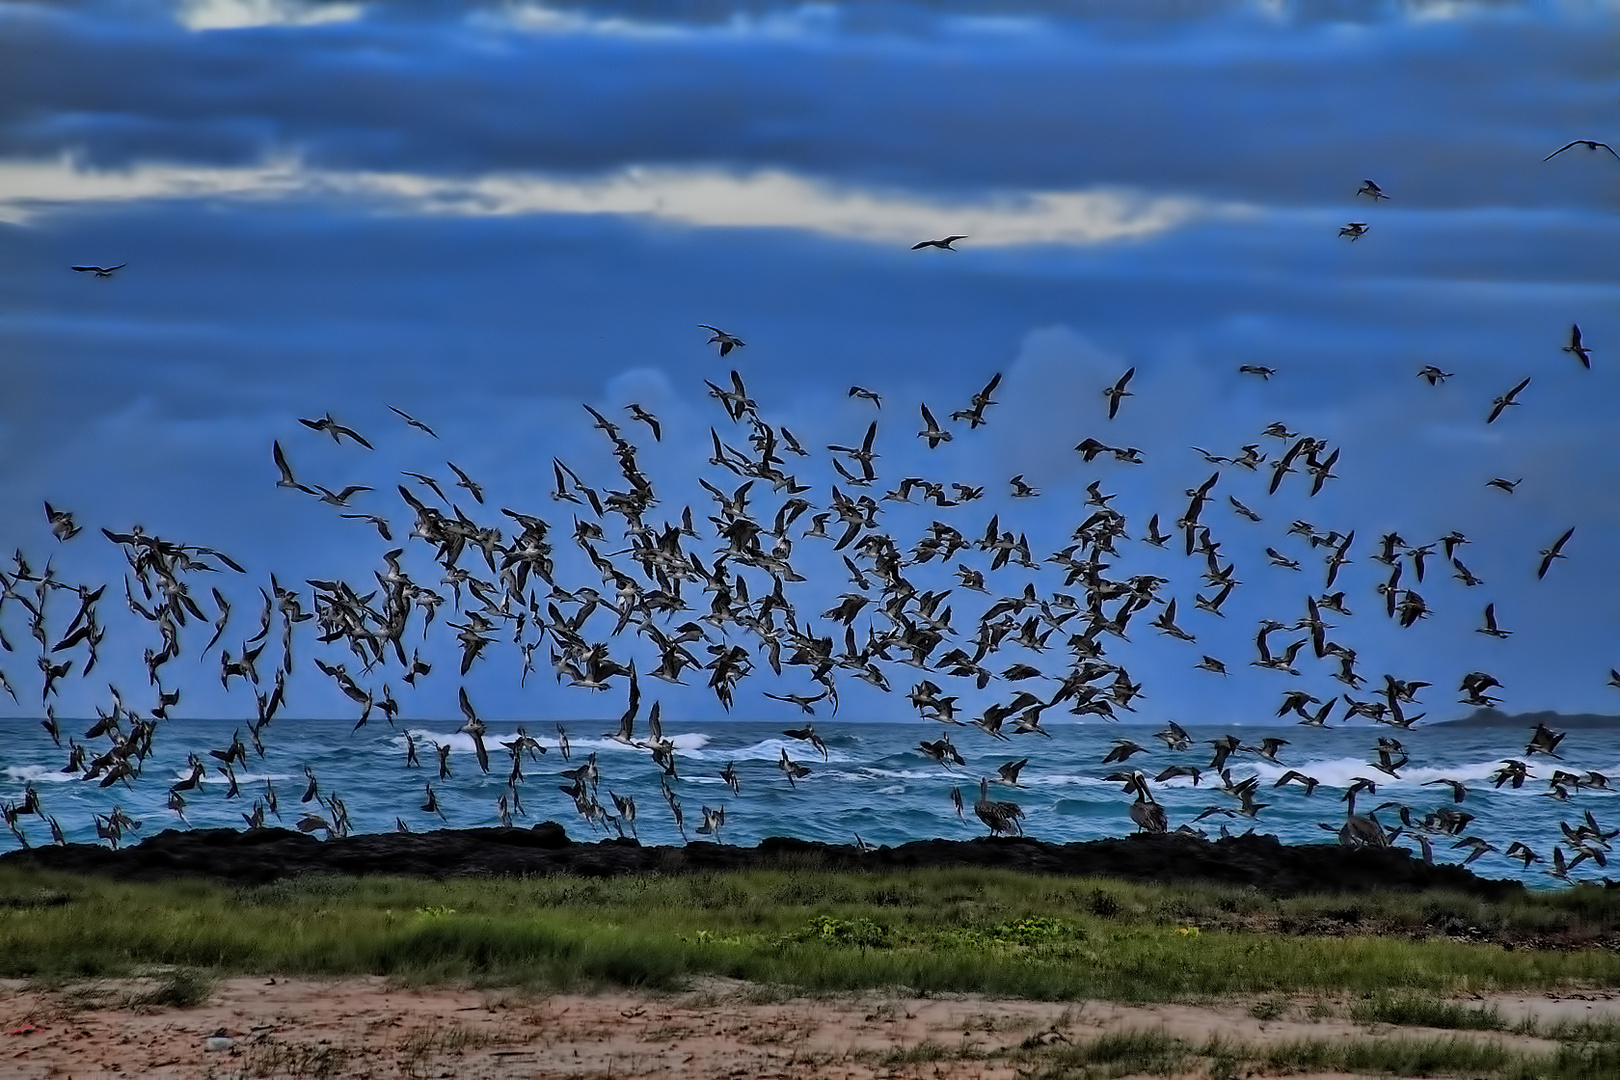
(709, 594)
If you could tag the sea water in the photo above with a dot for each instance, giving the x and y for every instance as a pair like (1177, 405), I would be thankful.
(873, 782)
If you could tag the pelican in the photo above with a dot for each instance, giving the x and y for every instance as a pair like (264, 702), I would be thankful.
(1000, 817)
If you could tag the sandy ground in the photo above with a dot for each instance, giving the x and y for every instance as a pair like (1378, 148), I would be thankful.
(364, 1027)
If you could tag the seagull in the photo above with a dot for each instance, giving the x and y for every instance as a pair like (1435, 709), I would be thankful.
(863, 392)
(1257, 369)
(1355, 230)
(100, 271)
(943, 245)
(1581, 352)
(726, 341)
(1370, 188)
(1504, 484)
(1590, 144)
(1434, 375)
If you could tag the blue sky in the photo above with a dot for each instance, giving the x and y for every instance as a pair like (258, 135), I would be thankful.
(489, 214)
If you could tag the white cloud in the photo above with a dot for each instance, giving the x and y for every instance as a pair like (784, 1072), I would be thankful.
(240, 14)
(701, 197)
(534, 17)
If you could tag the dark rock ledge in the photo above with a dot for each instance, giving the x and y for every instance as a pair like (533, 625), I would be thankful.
(257, 856)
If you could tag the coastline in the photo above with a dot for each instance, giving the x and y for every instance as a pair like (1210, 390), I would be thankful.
(262, 856)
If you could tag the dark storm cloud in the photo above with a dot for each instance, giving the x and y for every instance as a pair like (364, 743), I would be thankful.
(902, 96)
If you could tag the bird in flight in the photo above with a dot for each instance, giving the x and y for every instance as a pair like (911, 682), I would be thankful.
(1581, 352)
(932, 432)
(334, 429)
(413, 421)
(1370, 188)
(1117, 391)
(863, 392)
(287, 480)
(100, 271)
(61, 522)
(1505, 400)
(1355, 230)
(1433, 374)
(641, 414)
(726, 341)
(1554, 552)
(943, 245)
(1590, 144)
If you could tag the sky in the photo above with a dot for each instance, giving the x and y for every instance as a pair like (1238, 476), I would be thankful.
(489, 214)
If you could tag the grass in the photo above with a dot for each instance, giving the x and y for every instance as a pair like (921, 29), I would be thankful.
(932, 931)
(181, 988)
(1146, 1052)
(1425, 1010)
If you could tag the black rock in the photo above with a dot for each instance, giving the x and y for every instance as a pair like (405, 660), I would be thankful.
(258, 856)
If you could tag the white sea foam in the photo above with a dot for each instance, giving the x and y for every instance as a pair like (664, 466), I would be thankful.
(28, 774)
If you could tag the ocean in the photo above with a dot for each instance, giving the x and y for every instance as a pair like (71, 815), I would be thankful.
(874, 782)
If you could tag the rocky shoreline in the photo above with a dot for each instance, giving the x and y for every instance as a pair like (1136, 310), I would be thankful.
(260, 856)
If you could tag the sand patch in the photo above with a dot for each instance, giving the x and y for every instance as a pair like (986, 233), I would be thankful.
(366, 1027)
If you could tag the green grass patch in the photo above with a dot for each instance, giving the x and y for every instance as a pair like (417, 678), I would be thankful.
(930, 931)
(1425, 1010)
(1155, 1053)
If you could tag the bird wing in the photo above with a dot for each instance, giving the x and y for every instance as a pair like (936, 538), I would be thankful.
(281, 463)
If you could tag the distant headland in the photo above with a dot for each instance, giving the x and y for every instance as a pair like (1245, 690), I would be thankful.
(1557, 721)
